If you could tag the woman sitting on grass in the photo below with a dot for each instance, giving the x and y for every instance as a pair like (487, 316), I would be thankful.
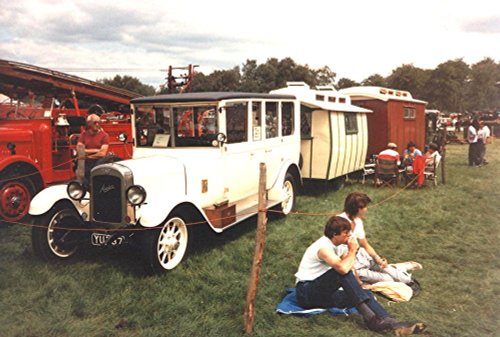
(371, 268)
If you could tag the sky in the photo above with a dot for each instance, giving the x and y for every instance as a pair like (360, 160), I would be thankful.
(355, 39)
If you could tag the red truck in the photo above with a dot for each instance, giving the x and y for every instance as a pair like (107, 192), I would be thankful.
(42, 113)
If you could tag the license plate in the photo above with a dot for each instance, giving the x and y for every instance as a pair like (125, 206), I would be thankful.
(99, 239)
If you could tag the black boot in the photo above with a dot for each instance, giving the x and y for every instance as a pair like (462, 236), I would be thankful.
(372, 321)
(379, 324)
(401, 328)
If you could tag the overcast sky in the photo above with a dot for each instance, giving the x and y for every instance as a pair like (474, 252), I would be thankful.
(355, 38)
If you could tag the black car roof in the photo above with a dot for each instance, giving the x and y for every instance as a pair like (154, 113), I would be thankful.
(206, 97)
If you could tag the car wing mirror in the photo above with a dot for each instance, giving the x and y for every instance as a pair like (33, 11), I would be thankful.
(219, 139)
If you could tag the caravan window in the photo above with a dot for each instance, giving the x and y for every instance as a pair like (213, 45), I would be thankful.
(351, 123)
(305, 121)
(409, 113)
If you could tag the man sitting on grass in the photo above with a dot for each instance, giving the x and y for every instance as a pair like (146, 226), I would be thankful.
(326, 267)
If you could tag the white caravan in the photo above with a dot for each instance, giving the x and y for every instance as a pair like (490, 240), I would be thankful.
(334, 133)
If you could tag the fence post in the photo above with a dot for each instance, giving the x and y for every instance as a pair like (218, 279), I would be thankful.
(80, 168)
(443, 158)
(259, 253)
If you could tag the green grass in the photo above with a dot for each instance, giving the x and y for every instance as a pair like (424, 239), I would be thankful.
(451, 230)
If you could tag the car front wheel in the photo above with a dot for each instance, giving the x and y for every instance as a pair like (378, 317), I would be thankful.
(167, 245)
(52, 236)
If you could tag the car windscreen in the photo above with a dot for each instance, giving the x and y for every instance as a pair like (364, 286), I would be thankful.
(176, 126)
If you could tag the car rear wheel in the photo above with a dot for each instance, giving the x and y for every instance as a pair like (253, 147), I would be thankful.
(289, 190)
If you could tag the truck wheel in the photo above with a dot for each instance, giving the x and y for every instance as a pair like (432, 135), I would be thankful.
(52, 238)
(15, 198)
(167, 245)
(288, 204)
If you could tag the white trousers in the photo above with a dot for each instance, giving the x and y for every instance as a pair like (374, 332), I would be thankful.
(370, 272)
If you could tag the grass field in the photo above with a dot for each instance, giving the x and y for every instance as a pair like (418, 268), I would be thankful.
(450, 229)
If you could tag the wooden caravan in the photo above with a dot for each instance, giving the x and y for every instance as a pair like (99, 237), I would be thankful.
(397, 117)
(334, 133)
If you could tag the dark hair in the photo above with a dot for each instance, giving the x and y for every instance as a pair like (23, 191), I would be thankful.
(410, 144)
(336, 225)
(354, 202)
(433, 146)
(475, 123)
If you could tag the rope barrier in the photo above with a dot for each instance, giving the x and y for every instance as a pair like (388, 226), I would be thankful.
(53, 167)
(132, 229)
(35, 173)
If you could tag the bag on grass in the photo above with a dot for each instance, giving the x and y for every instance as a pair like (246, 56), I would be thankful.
(415, 286)
(395, 291)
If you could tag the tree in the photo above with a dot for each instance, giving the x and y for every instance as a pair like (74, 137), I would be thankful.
(249, 80)
(446, 87)
(375, 80)
(482, 93)
(219, 80)
(325, 76)
(266, 74)
(346, 83)
(129, 83)
(410, 78)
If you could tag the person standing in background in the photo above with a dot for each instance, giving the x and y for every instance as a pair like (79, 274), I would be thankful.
(483, 135)
(472, 138)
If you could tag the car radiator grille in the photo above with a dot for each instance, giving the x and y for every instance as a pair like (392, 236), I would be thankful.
(107, 198)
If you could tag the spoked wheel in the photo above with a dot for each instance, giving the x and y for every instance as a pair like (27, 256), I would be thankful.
(289, 191)
(15, 197)
(52, 238)
(165, 247)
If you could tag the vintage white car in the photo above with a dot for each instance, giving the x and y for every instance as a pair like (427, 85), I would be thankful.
(195, 163)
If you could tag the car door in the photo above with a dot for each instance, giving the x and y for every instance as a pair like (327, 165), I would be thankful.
(241, 159)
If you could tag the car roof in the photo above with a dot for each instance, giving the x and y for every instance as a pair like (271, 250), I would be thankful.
(207, 97)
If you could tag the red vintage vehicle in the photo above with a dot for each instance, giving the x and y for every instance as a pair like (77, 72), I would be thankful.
(42, 113)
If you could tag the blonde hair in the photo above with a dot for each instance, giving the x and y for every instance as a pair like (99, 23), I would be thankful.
(92, 118)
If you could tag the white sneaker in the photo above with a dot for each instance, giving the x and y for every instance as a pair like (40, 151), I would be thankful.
(407, 266)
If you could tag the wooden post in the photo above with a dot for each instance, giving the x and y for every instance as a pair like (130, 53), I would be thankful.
(443, 158)
(259, 253)
(443, 161)
(80, 168)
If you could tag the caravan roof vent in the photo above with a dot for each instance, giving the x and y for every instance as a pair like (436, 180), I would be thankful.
(297, 84)
(325, 88)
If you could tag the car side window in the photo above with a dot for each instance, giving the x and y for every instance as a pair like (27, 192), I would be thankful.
(271, 119)
(287, 118)
(256, 121)
(236, 122)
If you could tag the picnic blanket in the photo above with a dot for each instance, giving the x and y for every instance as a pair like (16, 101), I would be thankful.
(290, 306)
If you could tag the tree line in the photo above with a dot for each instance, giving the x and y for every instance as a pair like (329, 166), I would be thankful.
(453, 86)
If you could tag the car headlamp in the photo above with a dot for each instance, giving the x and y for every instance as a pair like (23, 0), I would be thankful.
(76, 190)
(136, 195)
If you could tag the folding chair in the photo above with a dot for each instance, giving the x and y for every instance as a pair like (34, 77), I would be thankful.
(430, 171)
(386, 172)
